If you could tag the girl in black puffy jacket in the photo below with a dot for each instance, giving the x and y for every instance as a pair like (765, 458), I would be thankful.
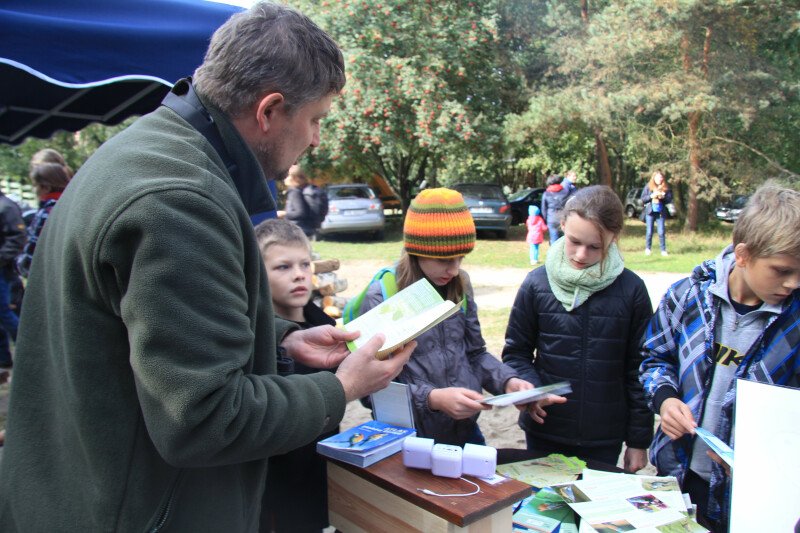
(580, 318)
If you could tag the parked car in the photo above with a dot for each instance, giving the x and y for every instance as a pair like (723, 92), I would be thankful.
(729, 211)
(489, 206)
(353, 208)
(521, 200)
(633, 202)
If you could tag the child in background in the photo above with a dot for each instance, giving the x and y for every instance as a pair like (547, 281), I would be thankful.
(296, 498)
(536, 228)
(580, 319)
(49, 181)
(736, 316)
(450, 365)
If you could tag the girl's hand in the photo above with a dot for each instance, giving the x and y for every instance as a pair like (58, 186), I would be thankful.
(634, 459)
(457, 402)
(516, 384)
(720, 461)
(676, 419)
(536, 409)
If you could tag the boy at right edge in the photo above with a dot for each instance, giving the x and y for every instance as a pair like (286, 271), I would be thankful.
(737, 316)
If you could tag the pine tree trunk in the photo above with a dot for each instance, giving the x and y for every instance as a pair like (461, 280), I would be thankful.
(601, 152)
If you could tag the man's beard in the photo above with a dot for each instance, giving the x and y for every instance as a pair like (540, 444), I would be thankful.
(266, 154)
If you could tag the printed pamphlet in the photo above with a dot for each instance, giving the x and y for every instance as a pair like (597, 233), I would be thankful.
(716, 445)
(402, 317)
(528, 396)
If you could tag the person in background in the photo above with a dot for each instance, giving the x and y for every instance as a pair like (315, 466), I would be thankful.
(736, 316)
(296, 499)
(146, 394)
(12, 233)
(655, 197)
(536, 228)
(49, 181)
(49, 155)
(580, 319)
(553, 200)
(569, 182)
(451, 365)
(297, 209)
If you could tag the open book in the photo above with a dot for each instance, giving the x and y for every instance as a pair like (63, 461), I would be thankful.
(402, 317)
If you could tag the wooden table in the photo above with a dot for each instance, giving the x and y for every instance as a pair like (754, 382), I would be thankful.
(384, 497)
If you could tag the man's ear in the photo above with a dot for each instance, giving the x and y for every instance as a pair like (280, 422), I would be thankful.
(742, 254)
(266, 108)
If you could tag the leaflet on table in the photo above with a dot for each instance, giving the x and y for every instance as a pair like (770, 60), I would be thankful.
(543, 512)
(544, 471)
(612, 502)
(719, 447)
(402, 317)
(528, 396)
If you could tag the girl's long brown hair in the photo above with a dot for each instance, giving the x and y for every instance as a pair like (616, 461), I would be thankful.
(652, 185)
(409, 271)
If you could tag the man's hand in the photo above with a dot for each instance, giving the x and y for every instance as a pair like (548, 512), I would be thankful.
(634, 459)
(457, 402)
(320, 347)
(536, 409)
(362, 374)
(676, 419)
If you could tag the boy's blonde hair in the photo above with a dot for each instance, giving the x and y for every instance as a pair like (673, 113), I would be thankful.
(280, 231)
(768, 224)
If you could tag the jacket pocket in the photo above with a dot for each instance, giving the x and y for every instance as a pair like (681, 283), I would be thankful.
(167, 507)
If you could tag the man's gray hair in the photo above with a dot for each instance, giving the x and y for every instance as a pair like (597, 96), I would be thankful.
(269, 48)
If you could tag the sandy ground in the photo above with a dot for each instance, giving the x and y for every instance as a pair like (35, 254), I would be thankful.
(494, 289)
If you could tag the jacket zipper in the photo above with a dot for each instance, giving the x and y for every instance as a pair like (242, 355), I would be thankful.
(584, 342)
(167, 508)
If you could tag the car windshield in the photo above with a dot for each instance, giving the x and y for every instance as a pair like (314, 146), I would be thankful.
(519, 194)
(739, 202)
(350, 192)
(481, 192)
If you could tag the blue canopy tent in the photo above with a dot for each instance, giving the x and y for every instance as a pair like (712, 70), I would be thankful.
(65, 64)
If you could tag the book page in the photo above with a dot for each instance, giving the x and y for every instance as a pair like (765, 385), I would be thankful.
(402, 317)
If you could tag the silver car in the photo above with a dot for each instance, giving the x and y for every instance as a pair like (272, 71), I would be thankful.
(353, 208)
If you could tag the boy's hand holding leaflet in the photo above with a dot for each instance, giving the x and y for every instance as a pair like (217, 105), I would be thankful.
(402, 317)
(530, 395)
(676, 418)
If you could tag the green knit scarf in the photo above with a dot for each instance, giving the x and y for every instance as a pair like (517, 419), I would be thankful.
(571, 286)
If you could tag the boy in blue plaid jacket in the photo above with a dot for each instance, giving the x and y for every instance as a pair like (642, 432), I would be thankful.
(736, 316)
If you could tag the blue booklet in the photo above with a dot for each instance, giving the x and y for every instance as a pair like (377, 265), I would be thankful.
(365, 444)
(719, 447)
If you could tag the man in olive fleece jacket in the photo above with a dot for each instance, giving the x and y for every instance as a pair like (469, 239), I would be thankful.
(145, 396)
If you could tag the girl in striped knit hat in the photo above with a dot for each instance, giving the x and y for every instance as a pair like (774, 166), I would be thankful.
(450, 365)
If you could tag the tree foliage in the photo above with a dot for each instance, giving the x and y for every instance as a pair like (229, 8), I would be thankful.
(425, 89)
(688, 86)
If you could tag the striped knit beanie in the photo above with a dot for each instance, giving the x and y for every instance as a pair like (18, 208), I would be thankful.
(438, 225)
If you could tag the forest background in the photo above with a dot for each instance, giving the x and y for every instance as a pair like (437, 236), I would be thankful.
(510, 91)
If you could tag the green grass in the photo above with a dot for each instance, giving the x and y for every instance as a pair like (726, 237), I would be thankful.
(686, 250)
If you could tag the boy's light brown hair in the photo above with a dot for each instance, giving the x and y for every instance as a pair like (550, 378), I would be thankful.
(280, 231)
(768, 224)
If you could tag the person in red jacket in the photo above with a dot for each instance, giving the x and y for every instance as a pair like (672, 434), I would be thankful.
(536, 228)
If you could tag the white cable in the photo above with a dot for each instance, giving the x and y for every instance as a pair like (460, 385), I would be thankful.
(431, 493)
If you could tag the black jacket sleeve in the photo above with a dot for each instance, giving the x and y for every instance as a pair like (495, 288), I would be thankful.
(522, 333)
(639, 432)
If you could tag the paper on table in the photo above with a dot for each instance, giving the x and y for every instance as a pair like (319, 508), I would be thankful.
(528, 396)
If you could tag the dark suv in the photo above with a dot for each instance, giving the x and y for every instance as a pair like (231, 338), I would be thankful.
(489, 206)
(633, 203)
